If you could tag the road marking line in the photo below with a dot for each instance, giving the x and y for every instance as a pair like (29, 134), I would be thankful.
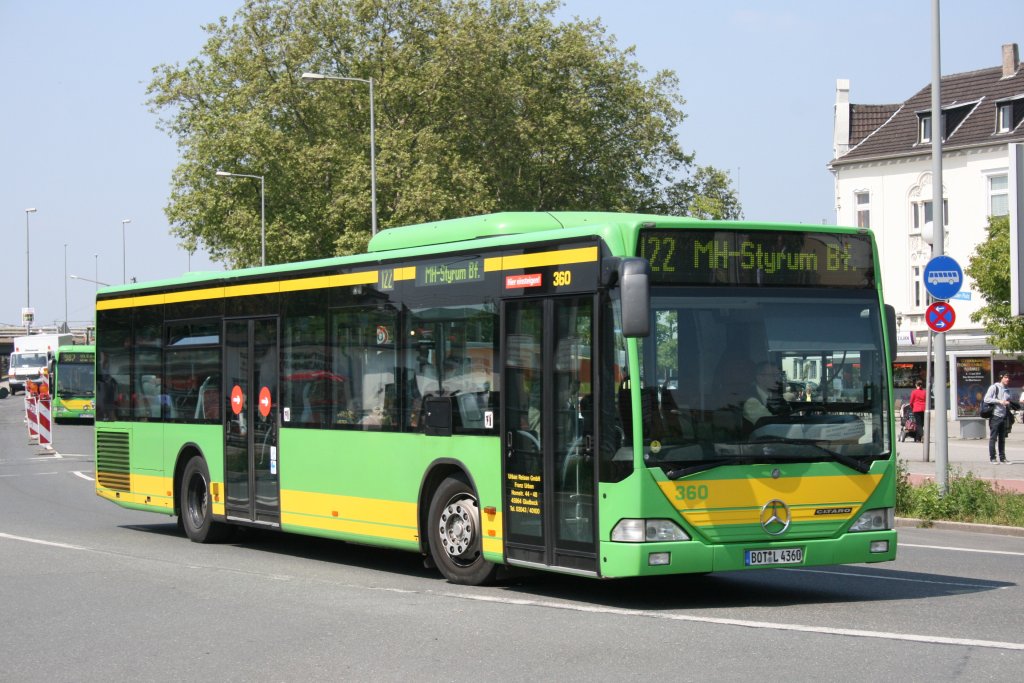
(42, 542)
(963, 550)
(27, 474)
(83, 475)
(824, 630)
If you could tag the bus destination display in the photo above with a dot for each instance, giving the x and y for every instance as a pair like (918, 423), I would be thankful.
(77, 357)
(768, 258)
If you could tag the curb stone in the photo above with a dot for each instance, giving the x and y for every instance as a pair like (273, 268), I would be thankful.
(960, 526)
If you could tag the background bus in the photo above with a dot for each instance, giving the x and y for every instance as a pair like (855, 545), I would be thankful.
(74, 383)
(495, 390)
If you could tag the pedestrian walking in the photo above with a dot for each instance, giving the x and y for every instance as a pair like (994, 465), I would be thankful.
(918, 404)
(997, 397)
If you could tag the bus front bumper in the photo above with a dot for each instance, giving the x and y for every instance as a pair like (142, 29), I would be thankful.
(620, 560)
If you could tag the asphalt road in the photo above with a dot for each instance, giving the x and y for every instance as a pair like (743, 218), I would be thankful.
(91, 592)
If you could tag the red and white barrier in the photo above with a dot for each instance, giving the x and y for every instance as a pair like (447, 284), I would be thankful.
(43, 421)
(30, 417)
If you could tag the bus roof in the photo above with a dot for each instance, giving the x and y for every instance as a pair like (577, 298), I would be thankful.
(619, 231)
(76, 348)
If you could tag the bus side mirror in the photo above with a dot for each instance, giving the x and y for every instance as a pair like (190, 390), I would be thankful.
(890, 324)
(635, 291)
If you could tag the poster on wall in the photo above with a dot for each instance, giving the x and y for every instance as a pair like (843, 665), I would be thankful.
(905, 374)
(973, 377)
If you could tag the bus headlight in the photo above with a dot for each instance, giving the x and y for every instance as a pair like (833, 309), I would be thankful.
(640, 530)
(879, 519)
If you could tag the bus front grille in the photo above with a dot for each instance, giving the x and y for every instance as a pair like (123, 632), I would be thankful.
(113, 470)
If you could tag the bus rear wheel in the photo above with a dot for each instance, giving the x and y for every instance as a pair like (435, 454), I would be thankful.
(454, 533)
(196, 509)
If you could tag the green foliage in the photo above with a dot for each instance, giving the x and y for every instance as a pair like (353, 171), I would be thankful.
(967, 499)
(989, 269)
(706, 194)
(480, 105)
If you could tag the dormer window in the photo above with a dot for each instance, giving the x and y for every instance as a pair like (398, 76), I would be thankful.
(952, 117)
(924, 128)
(1004, 120)
(1009, 114)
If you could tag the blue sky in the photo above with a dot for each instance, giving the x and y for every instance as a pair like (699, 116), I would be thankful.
(79, 144)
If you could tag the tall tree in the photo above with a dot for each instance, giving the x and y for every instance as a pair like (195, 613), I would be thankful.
(481, 105)
(705, 193)
(988, 268)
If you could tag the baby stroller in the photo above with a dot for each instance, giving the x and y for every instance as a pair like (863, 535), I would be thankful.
(908, 425)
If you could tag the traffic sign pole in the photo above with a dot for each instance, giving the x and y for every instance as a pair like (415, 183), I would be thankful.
(938, 246)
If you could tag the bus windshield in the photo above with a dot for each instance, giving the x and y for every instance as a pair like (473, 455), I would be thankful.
(757, 375)
(76, 379)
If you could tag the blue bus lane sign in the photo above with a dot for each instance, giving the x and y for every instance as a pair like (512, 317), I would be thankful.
(940, 316)
(943, 277)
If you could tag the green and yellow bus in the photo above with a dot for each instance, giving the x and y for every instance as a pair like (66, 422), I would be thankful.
(74, 382)
(599, 394)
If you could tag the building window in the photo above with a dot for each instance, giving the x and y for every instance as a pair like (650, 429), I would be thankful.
(1004, 119)
(918, 287)
(863, 202)
(923, 214)
(998, 197)
(925, 128)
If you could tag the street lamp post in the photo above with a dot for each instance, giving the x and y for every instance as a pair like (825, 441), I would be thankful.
(65, 284)
(85, 279)
(28, 280)
(124, 251)
(263, 212)
(308, 76)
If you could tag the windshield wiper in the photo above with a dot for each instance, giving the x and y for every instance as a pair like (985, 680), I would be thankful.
(704, 466)
(841, 458)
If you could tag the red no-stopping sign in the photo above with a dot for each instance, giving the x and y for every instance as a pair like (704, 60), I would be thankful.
(940, 317)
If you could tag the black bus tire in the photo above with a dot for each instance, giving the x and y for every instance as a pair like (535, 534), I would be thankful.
(455, 534)
(197, 507)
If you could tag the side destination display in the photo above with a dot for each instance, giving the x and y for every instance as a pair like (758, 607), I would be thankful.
(770, 258)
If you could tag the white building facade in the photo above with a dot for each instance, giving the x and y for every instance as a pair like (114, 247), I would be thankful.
(882, 167)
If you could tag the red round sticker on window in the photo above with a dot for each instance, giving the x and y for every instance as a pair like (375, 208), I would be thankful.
(237, 399)
(264, 401)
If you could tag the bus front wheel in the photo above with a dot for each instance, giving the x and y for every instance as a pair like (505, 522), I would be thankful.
(196, 509)
(454, 531)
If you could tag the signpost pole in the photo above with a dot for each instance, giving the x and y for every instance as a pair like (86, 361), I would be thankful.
(941, 393)
(928, 388)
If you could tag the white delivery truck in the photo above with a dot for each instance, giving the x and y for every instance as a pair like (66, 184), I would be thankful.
(31, 354)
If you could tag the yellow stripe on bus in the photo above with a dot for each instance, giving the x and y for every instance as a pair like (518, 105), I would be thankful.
(716, 494)
(370, 517)
(304, 283)
(366, 277)
(546, 258)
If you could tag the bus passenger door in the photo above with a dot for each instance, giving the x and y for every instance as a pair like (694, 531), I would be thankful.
(250, 429)
(549, 440)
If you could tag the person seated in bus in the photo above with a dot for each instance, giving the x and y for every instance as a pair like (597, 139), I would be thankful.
(766, 399)
(106, 390)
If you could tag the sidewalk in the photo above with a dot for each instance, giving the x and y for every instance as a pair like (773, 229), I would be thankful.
(968, 455)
